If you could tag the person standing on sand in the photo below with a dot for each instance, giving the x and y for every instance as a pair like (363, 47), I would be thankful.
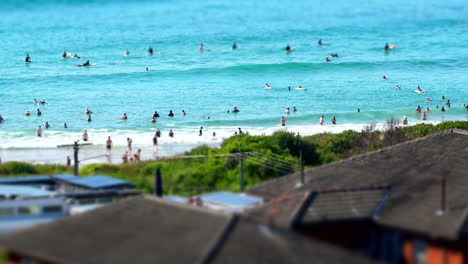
(321, 120)
(85, 136)
(333, 120)
(158, 132)
(283, 121)
(171, 133)
(129, 144)
(109, 145)
(39, 131)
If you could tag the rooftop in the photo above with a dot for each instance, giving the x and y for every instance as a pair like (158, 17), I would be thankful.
(413, 170)
(145, 229)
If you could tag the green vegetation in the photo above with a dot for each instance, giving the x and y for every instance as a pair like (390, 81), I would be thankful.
(273, 156)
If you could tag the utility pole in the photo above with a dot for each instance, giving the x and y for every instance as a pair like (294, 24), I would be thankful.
(241, 171)
(76, 148)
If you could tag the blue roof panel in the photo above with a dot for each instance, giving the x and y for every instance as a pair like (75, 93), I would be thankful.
(176, 198)
(9, 190)
(93, 182)
(231, 199)
(24, 179)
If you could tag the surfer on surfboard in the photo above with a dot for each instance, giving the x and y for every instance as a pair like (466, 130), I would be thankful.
(288, 48)
(85, 64)
(27, 59)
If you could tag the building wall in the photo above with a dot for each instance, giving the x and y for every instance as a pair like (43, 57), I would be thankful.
(432, 253)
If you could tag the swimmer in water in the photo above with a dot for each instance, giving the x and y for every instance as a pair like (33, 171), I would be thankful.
(65, 125)
(283, 121)
(39, 131)
(89, 118)
(288, 48)
(384, 78)
(183, 113)
(442, 109)
(171, 133)
(87, 111)
(27, 113)
(235, 110)
(126, 52)
(289, 88)
(153, 120)
(155, 115)
(359, 110)
(397, 87)
(287, 111)
(64, 55)
(202, 49)
(321, 120)
(319, 43)
(234, 46)
(171, 114)
(2, 119)
(85, 64)
(333, 120)
(124, 117)
(28, 58)
(85, 136)
(405, 121)
(326, 59)
(47, 126)
(76, 56)
(150, 50)
(386, 46)
(418, 109)
(38, 112)
(294, 109)
(200, 132)
(334, 55)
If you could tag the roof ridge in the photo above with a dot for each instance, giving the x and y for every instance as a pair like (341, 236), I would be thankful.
(216, 246)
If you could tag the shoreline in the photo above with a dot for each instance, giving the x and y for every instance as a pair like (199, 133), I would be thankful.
(181, 143)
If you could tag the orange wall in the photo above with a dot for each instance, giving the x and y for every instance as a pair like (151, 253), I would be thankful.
(435, 254)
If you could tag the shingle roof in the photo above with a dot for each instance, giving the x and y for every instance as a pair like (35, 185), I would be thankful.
(150, 230)
(412, 169)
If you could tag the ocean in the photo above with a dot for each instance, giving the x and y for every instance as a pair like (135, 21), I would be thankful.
(430, 38)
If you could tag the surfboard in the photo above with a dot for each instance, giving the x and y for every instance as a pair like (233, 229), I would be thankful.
(419, 92)
(292, 49)
(80, 65)
(265, 87)
(301, 88)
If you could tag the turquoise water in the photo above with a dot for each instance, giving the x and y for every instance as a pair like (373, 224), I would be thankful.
(431, 51)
